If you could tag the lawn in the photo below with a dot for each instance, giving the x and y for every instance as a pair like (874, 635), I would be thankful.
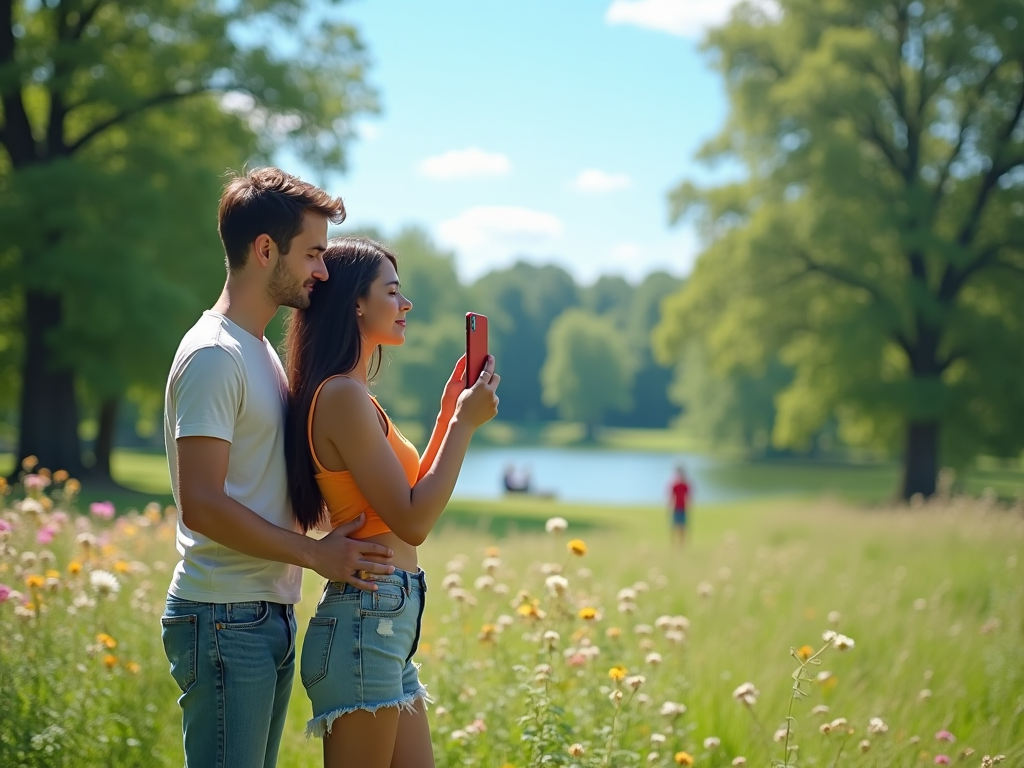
(931, 597)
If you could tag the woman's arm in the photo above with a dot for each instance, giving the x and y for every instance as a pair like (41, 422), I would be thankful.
(456, 384)
(354, 429)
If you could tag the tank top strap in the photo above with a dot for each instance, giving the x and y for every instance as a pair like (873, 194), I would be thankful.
(309, 423)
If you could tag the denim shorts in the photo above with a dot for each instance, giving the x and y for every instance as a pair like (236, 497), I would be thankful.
(358, 649)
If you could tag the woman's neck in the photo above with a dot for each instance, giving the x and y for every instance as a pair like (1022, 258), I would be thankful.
(359, 373)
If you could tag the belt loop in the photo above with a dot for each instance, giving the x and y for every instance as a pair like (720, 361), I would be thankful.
(408, 583)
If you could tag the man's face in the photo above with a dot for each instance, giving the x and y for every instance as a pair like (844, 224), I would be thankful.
(298, 271)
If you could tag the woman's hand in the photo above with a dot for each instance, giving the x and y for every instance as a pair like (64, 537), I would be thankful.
(479, 404)
(456, 386)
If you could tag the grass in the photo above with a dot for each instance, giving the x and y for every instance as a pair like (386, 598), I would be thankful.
(933, 598)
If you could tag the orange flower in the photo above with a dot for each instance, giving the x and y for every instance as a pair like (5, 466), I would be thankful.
(805, 652)
(74, 567)
(60, 476)
(492, 552)
(34, 581)
(106, 640)
(577, 547)
(134, 667)
(110, 661)
(683, 758)
(121, 566)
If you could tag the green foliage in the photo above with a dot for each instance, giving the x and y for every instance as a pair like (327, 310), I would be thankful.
(589, 369)
(874, 246)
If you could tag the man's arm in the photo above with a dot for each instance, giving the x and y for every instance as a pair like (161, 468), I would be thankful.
(207, 509)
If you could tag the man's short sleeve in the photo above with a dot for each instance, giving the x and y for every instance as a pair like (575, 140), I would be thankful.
(208, 395)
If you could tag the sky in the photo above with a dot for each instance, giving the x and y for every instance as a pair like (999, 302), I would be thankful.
(537, 130)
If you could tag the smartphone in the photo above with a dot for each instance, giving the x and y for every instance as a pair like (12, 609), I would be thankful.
(476, 346)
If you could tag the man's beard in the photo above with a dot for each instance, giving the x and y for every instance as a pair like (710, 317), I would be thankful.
(285, 290)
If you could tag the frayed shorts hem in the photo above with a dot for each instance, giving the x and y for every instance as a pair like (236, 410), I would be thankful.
(320, 726)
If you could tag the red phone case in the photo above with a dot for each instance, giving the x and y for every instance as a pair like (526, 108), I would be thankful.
(476, 346)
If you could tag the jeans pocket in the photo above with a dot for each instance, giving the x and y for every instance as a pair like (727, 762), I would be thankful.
(242, 615)
(316, 649)
(388, 601)
(180, 639)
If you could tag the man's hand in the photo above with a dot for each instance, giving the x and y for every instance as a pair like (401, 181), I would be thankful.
(339, 558)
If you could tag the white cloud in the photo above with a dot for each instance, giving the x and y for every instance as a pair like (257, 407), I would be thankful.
(685, 18)
(465, 163)
(593, 180)
(488, 237)
(625, 252)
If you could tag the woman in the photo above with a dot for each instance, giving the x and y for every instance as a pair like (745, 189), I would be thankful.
(345, 456)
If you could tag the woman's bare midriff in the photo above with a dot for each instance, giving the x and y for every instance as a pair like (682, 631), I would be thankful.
(405, 553)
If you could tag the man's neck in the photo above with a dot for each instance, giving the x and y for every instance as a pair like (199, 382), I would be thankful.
(245, 307)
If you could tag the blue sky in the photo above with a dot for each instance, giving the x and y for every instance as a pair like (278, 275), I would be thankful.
(550, 131)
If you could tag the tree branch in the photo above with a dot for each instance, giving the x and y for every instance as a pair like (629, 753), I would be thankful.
(16, 130)
(84, 19)
(142, 106)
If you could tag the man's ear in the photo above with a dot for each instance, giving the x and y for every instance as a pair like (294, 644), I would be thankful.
(262, 249)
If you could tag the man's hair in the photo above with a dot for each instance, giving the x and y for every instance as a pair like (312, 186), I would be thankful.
(268, 201)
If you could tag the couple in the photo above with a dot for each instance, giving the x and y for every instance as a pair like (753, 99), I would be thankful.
(258, 458)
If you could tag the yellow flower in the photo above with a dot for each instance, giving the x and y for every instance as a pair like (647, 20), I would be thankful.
(805, 652)
(487, 632)
(60, 476)
(34, 581)
(110, 661)
(134, 667)
(613, 633)
(577, 547)
(108, 550)
(121, 566)
(587, 613)
(617, 673)
(3, 484)
(74, 567)
(130, 530)
(52, 574)
(106, 640)
(683, 758)
(492, 552)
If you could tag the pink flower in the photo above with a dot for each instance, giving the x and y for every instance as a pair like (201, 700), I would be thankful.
(102, 509)
(59, 517)
(5, 527)
(5, 592)
(576, 660)
(45, 535)
(35, 482)
(942, 760)
(945, 736)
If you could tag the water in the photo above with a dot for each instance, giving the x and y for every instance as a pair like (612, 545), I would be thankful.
(594, 476)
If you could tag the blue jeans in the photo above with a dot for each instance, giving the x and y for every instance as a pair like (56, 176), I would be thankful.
(234, 664)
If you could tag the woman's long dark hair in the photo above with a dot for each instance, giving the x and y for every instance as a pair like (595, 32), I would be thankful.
(321, 341)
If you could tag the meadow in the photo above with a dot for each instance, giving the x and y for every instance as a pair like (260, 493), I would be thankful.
(598, 645)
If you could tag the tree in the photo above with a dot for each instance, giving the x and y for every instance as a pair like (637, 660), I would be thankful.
(589, 369)
(78, 80)
(875, 244)
(521, 303)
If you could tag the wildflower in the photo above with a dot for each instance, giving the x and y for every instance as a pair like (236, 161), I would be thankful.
(557, 585)
(877, 726)
(657, 738)
(842, 643)
(102, 509)
(134, 667)
(110, 661)
(675, 636)
(615, 696)
(823, 676)
(663, 622)
(25, 611)
(864, 745)
(551, 639)
(834, 617)
(492, 551)
(530, 611)
(705, 589)
(617, 673)
(72, 486)
(805, 652)
(627, 607)
(820, 709)
(576, 750)
(642, 629)
(653, 658)
(87, 540)
(34, 581)
(459, 735)
(60, 476)
(487, 633)
(589, 614)
(484, 582)
(626, 595)
(635, 681)
(451, 581)
(920, 604)
(712, 742)
(829, 635)
(29, 463)
(746, 694)
(35, 482)
(988, 760)
(491, 565)
(683, 758)
(839, 722)
(945, 736)
(5, 593)
(925, 693)
(31, 507)
(942, 760)
(680, 623)
(780, 734)
(504, 621)
(577, 547)
(738, 761)
(455, 566)
(74, 567)
(825, 728)
(104, 582)
(106, 640)
(44, 535)
(613, 633)
(556, 525)
(28, 559)
(671, 709)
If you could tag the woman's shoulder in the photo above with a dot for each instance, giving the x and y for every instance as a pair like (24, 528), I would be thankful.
(345, 392)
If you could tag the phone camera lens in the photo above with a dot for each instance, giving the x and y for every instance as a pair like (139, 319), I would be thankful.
(472, 323)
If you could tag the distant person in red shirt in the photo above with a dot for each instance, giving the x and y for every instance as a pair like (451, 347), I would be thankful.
(679, 496)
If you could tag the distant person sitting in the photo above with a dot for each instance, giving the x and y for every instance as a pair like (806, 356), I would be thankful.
(516, 482)
(679, 496)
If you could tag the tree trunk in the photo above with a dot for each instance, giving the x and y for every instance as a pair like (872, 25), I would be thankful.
(49, 414)
(105, 441)
(921, 460)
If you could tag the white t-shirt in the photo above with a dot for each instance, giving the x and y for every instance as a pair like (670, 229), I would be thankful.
(226, 383)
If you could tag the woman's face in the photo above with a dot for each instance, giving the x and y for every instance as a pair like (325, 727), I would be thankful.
(382, 311)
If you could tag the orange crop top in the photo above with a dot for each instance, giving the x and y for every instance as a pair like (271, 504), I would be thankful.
(343, 498)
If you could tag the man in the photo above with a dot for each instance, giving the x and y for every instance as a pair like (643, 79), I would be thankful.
(679, 496)
(229, 626)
